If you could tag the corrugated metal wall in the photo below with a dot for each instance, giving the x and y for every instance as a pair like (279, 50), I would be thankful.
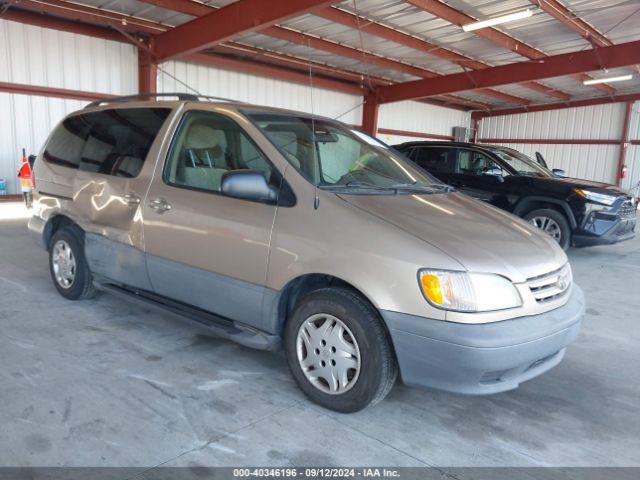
(44, 57)
(259, 90)
(419, 117)
(593, 162)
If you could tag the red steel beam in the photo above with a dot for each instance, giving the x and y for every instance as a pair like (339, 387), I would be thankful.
(67, 9)
(242, 16)
(147, 72)
(575, 23)
(632, 97)
(354, 21)
(621, 55)
(370, 114)
(456, 17)
(547, 141)
(188, 7)
(63, 25)
(351, 78)
(265, 70)
(350, 52)
(290, 61)
(67, 94)
(82, 13)
(192, 8)
(406, 133)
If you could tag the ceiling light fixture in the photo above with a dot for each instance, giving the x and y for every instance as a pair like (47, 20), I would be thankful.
(595, 81)
(497, 21)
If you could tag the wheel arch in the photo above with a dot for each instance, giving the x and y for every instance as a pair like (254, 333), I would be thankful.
(53, 224)
(296, 289)
(527, 204)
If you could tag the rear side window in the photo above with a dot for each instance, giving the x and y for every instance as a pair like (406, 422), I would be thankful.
(113, 142)
(435, 160)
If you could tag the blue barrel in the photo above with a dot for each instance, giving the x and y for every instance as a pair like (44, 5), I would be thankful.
(3, 186)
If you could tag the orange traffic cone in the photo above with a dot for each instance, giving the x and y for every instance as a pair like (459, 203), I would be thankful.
(26, 180)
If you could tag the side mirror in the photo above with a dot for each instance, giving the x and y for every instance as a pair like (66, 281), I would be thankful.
(558, 172)
(248, 185)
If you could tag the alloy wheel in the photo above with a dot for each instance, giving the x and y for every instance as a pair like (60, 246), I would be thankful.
(549, 226)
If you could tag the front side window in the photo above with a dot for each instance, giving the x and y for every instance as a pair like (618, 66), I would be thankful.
(475, 163)
(207, 146)
(112, 142)
(331, 155)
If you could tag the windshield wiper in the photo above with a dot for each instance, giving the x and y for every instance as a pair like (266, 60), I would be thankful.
(355, 184)
(432, 187)
(415, 186)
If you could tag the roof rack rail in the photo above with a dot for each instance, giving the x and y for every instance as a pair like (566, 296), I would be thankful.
(186, 97)
(126, 98)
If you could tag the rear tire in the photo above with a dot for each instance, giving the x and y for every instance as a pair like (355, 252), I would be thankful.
(346, 364)
(68, 265)
(553, 223)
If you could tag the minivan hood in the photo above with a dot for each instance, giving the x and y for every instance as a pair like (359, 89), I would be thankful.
(479, 236)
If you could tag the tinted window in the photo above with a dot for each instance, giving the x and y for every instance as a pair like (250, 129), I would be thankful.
(112, 142)
(435, 160)
(474, 163)
(206, 147)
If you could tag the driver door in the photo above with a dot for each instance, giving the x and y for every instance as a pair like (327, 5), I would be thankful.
(203, 248)
(472, 177)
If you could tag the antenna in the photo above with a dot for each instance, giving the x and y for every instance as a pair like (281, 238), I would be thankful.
(316, 197)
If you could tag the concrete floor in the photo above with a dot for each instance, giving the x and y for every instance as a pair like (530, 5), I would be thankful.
(106, 383)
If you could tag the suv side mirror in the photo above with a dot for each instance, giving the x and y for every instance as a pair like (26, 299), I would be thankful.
(558, 172)
(248, 185)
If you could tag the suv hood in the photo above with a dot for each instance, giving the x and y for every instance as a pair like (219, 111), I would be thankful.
(480, 237)
(570, 183)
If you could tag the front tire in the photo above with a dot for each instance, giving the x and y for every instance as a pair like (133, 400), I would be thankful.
(68, 265)
(339, 351)
(553, 223)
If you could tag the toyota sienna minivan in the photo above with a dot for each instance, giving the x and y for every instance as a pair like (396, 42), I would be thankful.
(282, 230)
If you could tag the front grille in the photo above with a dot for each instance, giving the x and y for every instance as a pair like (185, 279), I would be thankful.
(551, 285)
(627, 209)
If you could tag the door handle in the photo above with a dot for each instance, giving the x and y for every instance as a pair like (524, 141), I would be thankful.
(131, 199)
(160, 205)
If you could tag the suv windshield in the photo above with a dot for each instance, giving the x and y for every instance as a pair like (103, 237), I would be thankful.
(522, 164)
(333, 156)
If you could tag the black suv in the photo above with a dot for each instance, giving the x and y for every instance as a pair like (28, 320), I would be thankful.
(574, 212)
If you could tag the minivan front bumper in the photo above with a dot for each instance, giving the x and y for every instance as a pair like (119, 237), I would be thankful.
(483, 358)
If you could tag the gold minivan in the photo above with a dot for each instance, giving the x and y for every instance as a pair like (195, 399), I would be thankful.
(284, 230)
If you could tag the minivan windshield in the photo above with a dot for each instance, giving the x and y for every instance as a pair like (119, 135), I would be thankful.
(334, 156)
(522, 164)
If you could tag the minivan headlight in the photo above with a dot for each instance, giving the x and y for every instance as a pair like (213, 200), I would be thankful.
(468, 292)
(596, 197)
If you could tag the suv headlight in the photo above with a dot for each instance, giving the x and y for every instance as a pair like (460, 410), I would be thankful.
(596, 197)
(468, 292)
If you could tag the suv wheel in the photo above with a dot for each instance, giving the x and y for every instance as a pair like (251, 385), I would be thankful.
(553, 223)
(339, 351)
(68, 266)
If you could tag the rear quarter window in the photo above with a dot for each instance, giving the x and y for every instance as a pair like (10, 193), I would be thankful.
(112, 142)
